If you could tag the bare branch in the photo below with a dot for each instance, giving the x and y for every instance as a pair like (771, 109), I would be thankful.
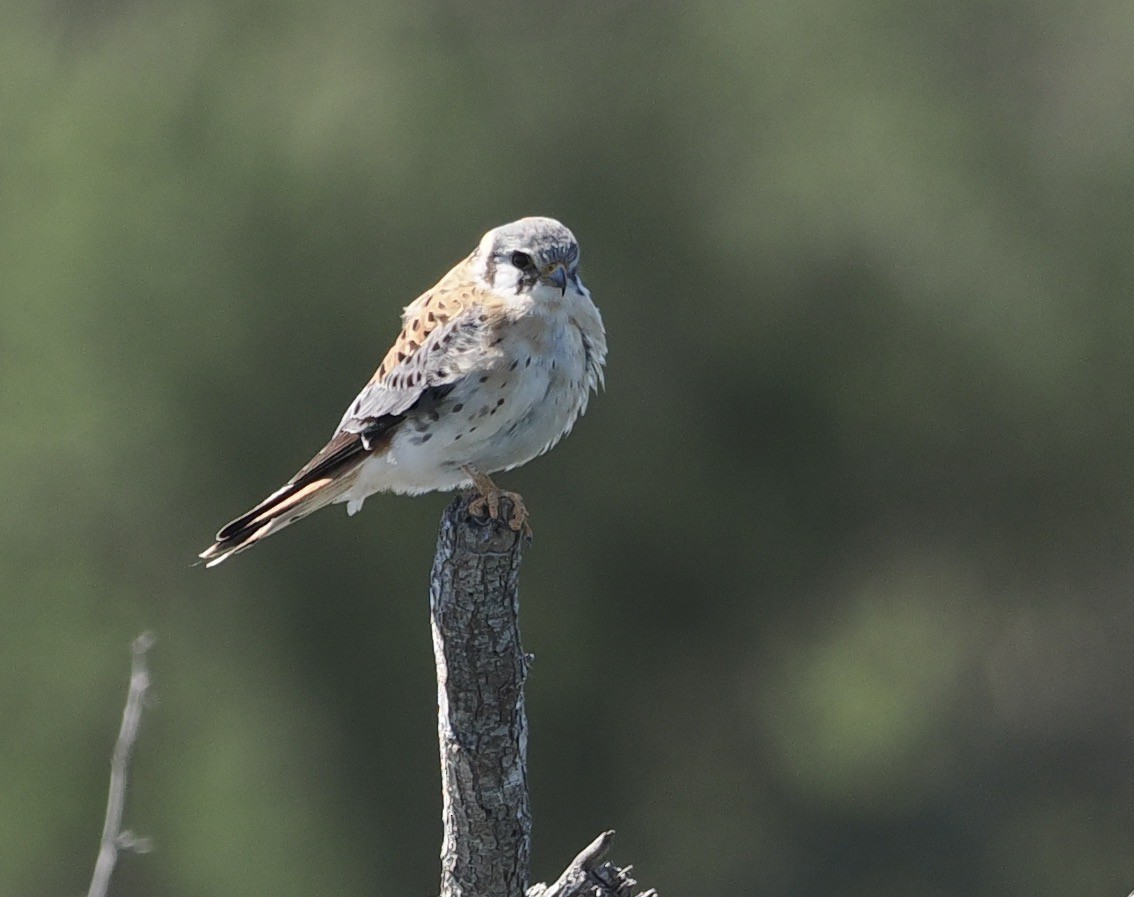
(482, 726)
(575, 876)
(481, 723)
(585, 878)
(114, 838)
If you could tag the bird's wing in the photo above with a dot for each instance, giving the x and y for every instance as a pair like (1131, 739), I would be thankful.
(440, 330)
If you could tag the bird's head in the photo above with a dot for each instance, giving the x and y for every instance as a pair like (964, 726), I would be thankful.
(533, 255)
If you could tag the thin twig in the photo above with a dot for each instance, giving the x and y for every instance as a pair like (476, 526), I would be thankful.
(113, 837)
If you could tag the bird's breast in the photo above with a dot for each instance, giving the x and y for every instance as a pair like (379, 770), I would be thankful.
(519, 403)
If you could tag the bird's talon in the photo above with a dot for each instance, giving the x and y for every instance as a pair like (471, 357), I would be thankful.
(518, 520)
(480, 507)
(488, 501)
(488, 505)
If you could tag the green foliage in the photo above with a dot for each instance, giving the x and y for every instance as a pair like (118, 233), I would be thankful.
(830, 589)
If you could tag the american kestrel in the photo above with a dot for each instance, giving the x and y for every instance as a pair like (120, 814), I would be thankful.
(492, 368)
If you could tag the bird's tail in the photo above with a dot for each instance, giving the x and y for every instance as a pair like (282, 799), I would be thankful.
(293, 502)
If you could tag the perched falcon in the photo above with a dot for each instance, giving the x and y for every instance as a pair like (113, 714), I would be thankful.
(492, 368)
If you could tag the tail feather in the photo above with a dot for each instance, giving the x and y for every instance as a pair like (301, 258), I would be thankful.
(293, 502)
(324, 479)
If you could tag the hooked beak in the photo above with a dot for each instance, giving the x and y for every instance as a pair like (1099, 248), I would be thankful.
(558, 276)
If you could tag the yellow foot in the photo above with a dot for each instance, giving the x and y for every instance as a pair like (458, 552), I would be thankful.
(488, 502)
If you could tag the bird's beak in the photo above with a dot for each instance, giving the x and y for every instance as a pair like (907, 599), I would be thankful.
(558, 276)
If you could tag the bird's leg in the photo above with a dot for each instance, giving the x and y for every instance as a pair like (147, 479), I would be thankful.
(488, 501)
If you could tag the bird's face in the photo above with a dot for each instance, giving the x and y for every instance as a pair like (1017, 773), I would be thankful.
(535, 256)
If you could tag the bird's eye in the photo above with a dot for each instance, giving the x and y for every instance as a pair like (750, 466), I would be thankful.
(522, 260)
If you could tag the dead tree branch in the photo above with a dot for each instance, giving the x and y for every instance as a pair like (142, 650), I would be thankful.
(114, 838)
(481, 723)
(482, 726)
(586, 878)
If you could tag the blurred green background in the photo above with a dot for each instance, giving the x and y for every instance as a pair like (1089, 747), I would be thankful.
(831, 590)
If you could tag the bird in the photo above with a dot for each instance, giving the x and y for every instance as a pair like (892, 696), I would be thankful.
(492, 367)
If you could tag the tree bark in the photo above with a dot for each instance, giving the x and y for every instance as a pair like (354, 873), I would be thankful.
(481, 724)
